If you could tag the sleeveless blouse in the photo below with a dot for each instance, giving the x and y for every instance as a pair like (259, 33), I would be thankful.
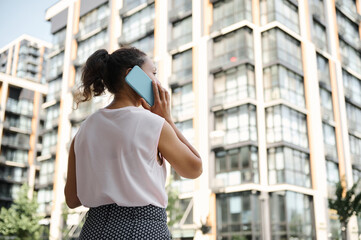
(116, 159)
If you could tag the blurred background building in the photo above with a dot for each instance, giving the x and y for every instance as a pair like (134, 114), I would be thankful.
(269, 92)
(22, 91)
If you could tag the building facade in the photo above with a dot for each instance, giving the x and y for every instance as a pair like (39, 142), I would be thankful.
(269, 92)
(23, 90)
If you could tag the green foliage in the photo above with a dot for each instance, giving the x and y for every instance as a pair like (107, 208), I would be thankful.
(21, 220)
(173, 211)
(347, 204)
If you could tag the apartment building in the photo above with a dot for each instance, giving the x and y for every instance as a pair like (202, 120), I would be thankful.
(269, 91)
(22, 78)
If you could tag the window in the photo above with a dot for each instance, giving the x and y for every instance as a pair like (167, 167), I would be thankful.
(129, 4)
(333, 177)
(279, 82)
(287, 165)
(54, 89)
(19, 156)
(49, 141)
(181, 32)
(329, 139)
(238, 215)
(59, 39)
(234, 84)
(279, 46)
(355, 149)
(90, 45)
(353, 117)
(232, 47)
(146, 45)
(326, 104)
(56, 65)
(46, 172)
(237, 125)
(94, 19)
(319, 36)
(228, 12)
(45, 197)
(186, 128)
(282, 11)
(323, 70)
(9, 173)
(139, 24)
(291, 216)
(350, 56)
(52, 116)
(182, 66)
(286, 124)
(182, 101)
(348, 30)
(352, 87)
(236, 166)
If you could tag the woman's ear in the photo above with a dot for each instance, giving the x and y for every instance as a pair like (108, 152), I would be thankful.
(127, 71)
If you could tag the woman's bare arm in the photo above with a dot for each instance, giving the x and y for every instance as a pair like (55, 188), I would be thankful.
(70, 190)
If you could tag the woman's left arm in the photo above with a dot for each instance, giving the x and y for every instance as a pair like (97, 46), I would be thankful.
(70, 191)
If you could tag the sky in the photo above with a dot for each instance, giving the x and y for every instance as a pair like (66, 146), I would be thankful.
(19, 17)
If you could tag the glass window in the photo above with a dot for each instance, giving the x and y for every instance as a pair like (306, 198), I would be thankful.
(353, 117)
(236, 166)
(182, 101)
(238, 215)
(54, 89)
(333, 177)
(55, 65)
(181, 32)
(94, 19)
(279, 46)
(232, 47)
(182, 65)
(46, 172)
(45, 197)
(139, 24)
(282, 11)
(291, 215)
(319, 36)
(326, 104)
(237, 124)
(186, 128)
(329, 139)
(279, 82)
(286, 124)
(226, 13)
(146, 45)
(352, 87)
(348, 30)
(287, 165)
(355, 149)
(350, 56)
(323, 70)
(234, 84)
(90, 45)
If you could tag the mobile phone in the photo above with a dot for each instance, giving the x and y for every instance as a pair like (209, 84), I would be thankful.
(139, 81)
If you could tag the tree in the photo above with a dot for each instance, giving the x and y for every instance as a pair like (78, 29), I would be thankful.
(21, 220)
(173, 211)
(346, 204)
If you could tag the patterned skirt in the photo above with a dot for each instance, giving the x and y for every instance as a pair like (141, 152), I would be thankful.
(116, 222)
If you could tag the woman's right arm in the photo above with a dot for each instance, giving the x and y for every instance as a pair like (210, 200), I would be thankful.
(175, 148)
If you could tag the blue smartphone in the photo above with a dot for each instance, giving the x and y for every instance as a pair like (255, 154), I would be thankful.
(141, 84)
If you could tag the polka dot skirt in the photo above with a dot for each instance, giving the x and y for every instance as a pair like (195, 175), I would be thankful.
(116, 222)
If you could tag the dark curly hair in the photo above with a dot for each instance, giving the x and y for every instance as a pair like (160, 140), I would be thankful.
(107, 71)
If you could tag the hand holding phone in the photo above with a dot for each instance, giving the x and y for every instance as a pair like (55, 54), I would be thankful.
(139, 81)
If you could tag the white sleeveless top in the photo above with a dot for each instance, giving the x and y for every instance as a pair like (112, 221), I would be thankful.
(116, 159)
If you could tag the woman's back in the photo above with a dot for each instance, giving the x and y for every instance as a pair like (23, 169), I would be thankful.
(116, 153)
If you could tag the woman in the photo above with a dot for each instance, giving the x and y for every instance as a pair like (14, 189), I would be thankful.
(115, 164)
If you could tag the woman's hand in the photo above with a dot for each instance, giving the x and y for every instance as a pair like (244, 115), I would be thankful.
(161, 105)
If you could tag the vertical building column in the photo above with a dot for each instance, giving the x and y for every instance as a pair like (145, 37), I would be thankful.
(338, 98)
(9, 61)
(114, 25)
(64, 133)
(200, 120)
(261, 122)
(4, 97)
(33, 142)
(15, 59)
(314, 123)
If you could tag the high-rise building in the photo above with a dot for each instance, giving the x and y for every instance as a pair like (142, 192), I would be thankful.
(269, 91)
(22, 91)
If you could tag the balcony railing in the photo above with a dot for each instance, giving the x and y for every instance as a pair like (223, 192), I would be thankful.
(181, 77)
(175, 43)
(149, 29)
(235, 57)
(185, 110)
(97, 26)
(230, 96)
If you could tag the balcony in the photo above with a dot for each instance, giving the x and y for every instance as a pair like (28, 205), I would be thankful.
(18, 142)
(16, 128)
(231, 59)
(180, 11)
(349, 11)
(92, 29)
(231, 96)
(183, 111)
